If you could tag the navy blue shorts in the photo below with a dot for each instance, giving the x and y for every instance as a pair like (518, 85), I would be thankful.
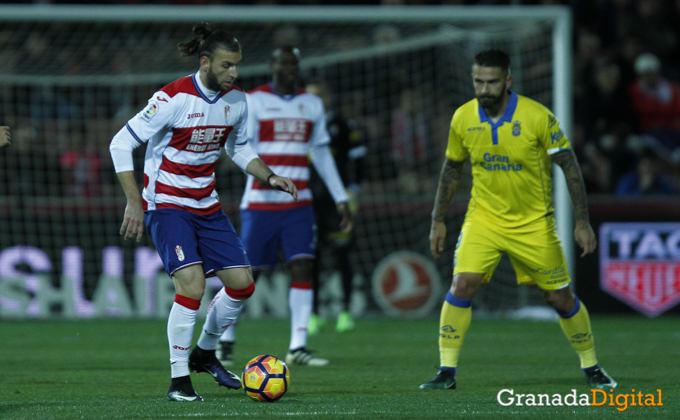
(183, 238)
(265, 231)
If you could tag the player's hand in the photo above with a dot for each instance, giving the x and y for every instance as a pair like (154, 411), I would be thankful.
(5, 137)
(347, 222)
(437, 237)
(585, 238)
(282, 183)
(133, 221)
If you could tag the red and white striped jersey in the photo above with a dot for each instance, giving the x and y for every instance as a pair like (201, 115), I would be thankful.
(186, 126)
(282, 130)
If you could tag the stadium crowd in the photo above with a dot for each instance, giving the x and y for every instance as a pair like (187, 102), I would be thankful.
(626, 132)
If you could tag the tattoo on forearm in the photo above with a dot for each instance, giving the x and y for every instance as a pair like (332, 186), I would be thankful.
(577, 190)
(449, 178)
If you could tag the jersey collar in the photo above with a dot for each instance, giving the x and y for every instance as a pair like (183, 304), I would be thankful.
(284, 97)
(507, 115)
(210, 96)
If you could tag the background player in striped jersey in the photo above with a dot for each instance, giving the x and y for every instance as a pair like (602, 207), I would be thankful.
(186, 124)
(511, 141)
(285, 125)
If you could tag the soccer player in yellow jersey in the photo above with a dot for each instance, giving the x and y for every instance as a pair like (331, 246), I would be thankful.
(511, 141)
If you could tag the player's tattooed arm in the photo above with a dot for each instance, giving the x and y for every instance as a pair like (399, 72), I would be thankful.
(583, 232)
(449, 179)
(577, 189)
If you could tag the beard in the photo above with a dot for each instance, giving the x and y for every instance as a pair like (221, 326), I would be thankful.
(488, 101)
(213, 83)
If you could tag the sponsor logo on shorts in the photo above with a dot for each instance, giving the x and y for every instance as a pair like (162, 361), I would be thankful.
(180, 252)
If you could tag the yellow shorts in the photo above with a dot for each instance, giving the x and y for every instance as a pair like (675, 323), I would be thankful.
(536, 255)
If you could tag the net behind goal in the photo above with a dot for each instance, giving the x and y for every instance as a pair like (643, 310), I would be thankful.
(70, 77)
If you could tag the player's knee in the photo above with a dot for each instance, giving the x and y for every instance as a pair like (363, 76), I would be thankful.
(193, 290)
(562, 301)
(465, 286)
(302, 269)
(243, 293)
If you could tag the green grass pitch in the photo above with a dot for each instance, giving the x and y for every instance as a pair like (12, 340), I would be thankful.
(120, 369)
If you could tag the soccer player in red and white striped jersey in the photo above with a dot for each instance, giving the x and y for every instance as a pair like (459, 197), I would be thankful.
(285, 126)
(185, 126)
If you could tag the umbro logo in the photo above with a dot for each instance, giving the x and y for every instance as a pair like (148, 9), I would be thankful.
(448, 328)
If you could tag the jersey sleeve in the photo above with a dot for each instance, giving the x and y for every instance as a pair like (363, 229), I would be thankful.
(455, 149)
(320, 136)
(253, 122)
(237, 145)
(551, 135)
(157, 116)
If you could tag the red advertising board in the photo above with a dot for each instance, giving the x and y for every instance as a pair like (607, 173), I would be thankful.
(640, 264)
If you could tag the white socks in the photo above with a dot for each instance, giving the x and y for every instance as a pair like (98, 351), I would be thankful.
(180, 333)
(300, 303)
(222, 313)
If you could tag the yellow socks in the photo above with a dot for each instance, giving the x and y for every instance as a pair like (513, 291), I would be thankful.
(576, 326)
(453, 324)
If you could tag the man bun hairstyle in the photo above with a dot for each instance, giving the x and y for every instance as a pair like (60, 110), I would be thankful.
(205, 41)
(493, 58)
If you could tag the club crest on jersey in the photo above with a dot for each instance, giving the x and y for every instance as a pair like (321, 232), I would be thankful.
(302, 109)
(226, 113)
(516, 129)
(180, 252)
(150, 110)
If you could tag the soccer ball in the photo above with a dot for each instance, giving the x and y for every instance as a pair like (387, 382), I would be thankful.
(265, 378)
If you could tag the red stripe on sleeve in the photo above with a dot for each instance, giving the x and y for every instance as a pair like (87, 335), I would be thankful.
(188, 302)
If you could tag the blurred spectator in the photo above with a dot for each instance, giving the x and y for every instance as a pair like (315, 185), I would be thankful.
(606, 103)
(646, 179)
(82, 168)
(651, 22)
(656, 102)
(408, 144)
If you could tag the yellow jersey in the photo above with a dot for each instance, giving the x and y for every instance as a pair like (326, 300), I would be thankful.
(511, 165)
